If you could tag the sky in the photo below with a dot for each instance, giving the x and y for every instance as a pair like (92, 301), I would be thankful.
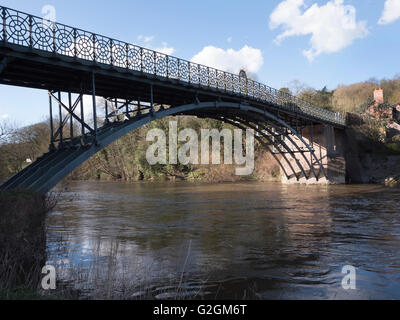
(319, 43)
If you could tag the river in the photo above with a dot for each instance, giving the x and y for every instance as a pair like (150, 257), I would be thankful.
(225, 241)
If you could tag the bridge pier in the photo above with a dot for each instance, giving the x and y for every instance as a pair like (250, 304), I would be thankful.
(328, 146)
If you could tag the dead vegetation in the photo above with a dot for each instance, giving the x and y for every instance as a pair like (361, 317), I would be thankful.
(22, 239)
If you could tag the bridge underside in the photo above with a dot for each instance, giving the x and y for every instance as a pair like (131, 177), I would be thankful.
(308, 154)
(133, 99)
(29, 67)
(297, 157)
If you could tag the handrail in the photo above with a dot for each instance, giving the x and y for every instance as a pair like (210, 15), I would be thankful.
(27, 30)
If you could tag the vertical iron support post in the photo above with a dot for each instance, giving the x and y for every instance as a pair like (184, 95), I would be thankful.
(51, 123)
(75, 49)
(127, 55)
(53, 35)
(139, 112)
(60, 119)
(3, 14)
(106, 109)
(167, 63)
(312, 144)
(82, 116)
(155, 62)
(111, 52)
(71, 119)
(151, 98)
(94, 47)
(312, 136)
(30, 32)
(94, 107)
(116, 108)
(141, 60)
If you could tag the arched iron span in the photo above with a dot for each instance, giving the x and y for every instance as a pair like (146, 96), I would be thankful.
(46, 172)
(276, 144)
(288, 149)
(258, 127)
(267, 119)
(263, 143)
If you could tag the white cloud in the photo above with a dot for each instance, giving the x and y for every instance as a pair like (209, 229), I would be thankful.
(165, 49)
(145, 39)
(230, 60)
(4, 116)
(332, 26)
(391, 12)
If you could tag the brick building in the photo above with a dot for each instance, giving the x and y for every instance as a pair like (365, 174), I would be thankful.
(382, 111)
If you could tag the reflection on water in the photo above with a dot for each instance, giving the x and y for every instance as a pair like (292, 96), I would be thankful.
(246, 240)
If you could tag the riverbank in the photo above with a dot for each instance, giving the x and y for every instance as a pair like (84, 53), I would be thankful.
(381, 169)
(265, 169)
(22, 242)
(371, 156)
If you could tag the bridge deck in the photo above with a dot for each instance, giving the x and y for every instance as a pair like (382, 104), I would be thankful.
(39, 54)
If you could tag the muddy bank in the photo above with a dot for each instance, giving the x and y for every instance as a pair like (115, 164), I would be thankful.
(372, 156)
(380, 169)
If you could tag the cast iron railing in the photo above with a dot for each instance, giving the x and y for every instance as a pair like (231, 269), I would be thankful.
(26, 30)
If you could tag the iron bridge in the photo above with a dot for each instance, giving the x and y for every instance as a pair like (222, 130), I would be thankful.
(138, 85)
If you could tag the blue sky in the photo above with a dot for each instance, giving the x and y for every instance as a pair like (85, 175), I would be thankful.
(321, 43)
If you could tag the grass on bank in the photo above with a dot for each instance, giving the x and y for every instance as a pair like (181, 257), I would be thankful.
(22, 242)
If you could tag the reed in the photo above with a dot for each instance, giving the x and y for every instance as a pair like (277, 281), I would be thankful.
(22, 241)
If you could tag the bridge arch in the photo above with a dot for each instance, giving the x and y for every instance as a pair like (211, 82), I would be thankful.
(47, 171)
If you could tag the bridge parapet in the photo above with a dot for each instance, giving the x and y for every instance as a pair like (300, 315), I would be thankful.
(25, 30)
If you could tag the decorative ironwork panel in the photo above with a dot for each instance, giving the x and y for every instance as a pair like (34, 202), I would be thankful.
(134, 58)
(213, 77)
(271, 95)
(103, 49)
(65, 40)
(194, 73)
(161, 64)
(236, 84)
(263, 92)
(203, 75)
(84, 45)
(42, 34)
(183, 70)
(243, 86)
(21, 29)
(119, 54)
(282, 96)
(148, 61)
(17, 28)
(220, 80)
(229, 82)
(256, 90)
(2, 30)
(173, 72)
(250, 87)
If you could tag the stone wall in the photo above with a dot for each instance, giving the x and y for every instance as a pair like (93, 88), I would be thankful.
(329, 149)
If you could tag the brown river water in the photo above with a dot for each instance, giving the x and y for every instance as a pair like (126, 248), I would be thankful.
(225, 241)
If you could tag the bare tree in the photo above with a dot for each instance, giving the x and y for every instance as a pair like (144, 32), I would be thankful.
(297, 87)
(6, 130)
